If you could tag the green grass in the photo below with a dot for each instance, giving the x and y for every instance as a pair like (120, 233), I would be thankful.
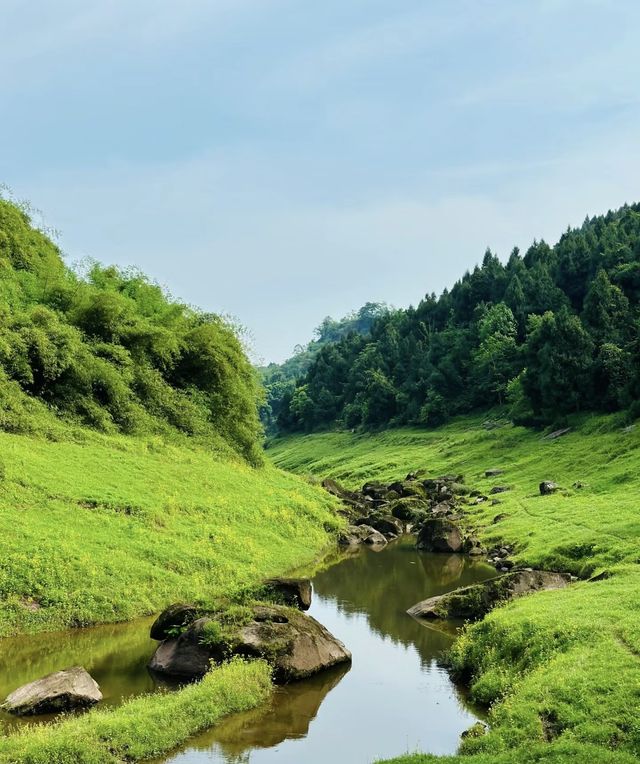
(143, 727)
(102, 528)
(560, 670)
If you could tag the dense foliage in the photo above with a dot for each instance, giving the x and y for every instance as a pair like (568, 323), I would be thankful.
(279, 380)
(550, 333)
(113, 351)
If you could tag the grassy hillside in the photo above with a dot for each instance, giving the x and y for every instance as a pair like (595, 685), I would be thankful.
(559, 667)
(104, 528)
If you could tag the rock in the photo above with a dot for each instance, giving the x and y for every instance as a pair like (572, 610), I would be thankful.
(498, 489)
(493, 473)
(375, 490)
(385, 524)
(174, 617)
(547, 487)
(360, 534)
(473, 547)
(557, 433)
(499, 518)
(335, 489)
(412, 488)
(442, 509)
(459, 489)
(294, 643)
(295, 592)
(473, 602)
(409, 510)
(440, 535)
(60, 691)
(579, 484)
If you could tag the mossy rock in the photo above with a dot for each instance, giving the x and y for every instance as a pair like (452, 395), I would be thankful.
(294, 643)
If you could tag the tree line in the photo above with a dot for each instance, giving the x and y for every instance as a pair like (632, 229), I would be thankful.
(546, 334)
(111, 350)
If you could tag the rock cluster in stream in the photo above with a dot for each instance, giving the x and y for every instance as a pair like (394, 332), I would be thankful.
(430, 508)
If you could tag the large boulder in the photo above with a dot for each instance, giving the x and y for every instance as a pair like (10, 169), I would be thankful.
(173, 619)
(353, 535)
(294, 643)
(440, 535)
(295, 592)
(475, 601)
(61, 691)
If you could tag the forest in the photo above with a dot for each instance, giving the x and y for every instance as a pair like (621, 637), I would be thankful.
(552, 332)
(109, 349)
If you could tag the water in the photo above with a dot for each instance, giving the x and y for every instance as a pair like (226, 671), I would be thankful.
(115, 655)
(393, 699)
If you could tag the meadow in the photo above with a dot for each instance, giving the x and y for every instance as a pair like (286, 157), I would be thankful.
(560, 671)
(100, 528)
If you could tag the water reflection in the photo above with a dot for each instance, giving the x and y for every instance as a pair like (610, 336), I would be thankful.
(393, 699)
(115, 655)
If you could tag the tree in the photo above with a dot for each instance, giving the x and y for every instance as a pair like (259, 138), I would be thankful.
(558, 358)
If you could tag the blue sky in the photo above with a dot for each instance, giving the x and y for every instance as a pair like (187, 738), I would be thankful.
(282, 160)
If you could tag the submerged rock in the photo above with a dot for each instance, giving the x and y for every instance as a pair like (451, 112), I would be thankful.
(440, 535)
(294, 643)
(60, 691)
(473, 602)
(173, 618)
(291, 591)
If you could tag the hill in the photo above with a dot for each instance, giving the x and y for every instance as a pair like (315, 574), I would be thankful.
(113, 351)
(549, 333)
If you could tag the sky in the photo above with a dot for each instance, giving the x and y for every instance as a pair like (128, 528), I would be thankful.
(282, 160)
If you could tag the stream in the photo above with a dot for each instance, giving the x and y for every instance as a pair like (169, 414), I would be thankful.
(394, 699)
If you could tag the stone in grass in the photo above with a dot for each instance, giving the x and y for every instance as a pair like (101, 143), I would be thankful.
(475, 601)
(498, 489)
(294, 643)
(493, 473)
(61, 691)
(548, 487)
